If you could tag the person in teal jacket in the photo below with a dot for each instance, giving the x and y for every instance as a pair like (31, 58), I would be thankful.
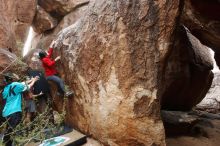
(12, 111)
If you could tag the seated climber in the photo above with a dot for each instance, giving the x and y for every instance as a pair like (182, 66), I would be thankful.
(50, 71)
(12, 111)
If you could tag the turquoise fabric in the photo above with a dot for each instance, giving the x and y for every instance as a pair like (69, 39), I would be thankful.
(12, 93)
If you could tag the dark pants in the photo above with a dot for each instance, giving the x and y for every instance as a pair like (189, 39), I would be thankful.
(58, 81)
(12, 121)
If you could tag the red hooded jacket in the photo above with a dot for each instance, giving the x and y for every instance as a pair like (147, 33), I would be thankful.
(49, 64)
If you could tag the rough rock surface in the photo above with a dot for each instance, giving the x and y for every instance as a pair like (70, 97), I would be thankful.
(43, 21)
(187, 75)
(61, 7)
(211, 102)
(111, 59)
(43, 40)
(202, 17)
(14, 22)
(204, 132)
(25, 12)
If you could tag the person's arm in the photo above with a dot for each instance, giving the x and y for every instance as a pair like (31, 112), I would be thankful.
(49, 52)
(20, 87)
(29, 81)
(36, 95)
(30, 85)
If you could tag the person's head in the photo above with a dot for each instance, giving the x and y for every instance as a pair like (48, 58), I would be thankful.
(10, 77)
(42, 54)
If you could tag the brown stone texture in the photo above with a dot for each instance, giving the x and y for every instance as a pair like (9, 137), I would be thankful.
(111, 59)
(10, 63)
(6, 58)
(25, 12)
(202, 17)
(15, 19)
(43, 40)
(187, 75)
(59, 8)
(43, 21)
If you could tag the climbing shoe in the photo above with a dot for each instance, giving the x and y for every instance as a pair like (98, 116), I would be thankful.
(69, 93)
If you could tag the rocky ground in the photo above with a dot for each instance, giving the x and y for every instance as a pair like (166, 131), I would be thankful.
(193, 128)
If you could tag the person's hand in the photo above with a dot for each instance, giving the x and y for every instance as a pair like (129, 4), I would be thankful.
(57, 58)
(52, 44)
(36, 78)
(41, 93)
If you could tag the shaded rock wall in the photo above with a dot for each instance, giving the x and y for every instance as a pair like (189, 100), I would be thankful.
(187, 74)
(111, 59)
(202, 18)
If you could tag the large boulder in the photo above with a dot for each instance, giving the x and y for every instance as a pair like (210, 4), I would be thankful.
(111, 59)
(59, 8)
(43, 40)
(43, 21)
(187, 75)
(15, 20)
(202, 17)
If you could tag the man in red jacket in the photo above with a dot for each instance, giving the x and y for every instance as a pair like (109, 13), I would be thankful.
(50, 71)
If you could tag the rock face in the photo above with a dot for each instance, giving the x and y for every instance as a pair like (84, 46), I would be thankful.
(121, 58)
(43, 21)
(187, 74)
(44, 39)
(211, 102)
(14, 22)
(111, 59)
(9, 62)
(6, 59)
(203, 20)
(61, 7)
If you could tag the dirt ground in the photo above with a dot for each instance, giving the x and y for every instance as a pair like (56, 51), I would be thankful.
(210, 137)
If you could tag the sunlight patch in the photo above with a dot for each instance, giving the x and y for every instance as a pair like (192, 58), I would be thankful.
(27, 44)
(215, 69)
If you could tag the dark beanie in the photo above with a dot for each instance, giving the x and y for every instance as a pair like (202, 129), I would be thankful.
(42, 54)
